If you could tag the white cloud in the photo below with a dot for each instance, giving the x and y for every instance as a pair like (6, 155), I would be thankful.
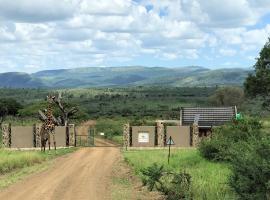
(75, 33)
(36, 10)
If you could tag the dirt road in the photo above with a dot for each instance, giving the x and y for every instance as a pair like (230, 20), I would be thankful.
(82, 175)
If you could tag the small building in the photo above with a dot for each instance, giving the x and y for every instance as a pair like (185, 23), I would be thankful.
(206, 117)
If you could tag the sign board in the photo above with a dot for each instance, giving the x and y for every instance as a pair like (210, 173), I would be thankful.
(143, 137)
(170, 141)
(196, 119)
(102, 134)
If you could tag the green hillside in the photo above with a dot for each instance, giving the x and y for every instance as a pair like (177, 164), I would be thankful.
(125, 76)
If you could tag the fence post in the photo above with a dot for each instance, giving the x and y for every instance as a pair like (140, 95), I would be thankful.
(195, 135)
(10, 135)
(67, 135)
(34, 135)
(126, 135)
(160, 134)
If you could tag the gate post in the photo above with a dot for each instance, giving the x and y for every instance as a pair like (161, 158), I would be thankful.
(6, 135)
(72, 134)
(160, 134)
(195, 135)
(126, 135)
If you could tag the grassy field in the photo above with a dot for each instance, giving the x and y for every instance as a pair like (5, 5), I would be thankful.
(209, 179)
(13, 160)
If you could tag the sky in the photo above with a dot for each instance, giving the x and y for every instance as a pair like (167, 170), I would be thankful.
(54, 34)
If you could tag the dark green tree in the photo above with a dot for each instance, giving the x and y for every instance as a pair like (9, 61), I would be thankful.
(227, 96)
(8, 107)
(258, 83)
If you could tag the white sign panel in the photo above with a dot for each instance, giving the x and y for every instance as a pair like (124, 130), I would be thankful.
(143, 138)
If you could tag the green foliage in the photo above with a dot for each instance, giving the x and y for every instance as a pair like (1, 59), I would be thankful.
(226, 137)
(258, 84)
(175, 185)
(180, 186)
(152, 176)
(227, 96)
(32, 109)
(131, 103)
(12, 160)
(209, 179)
(111, 127)
(251, 169)
(247, 148)
(9, 106)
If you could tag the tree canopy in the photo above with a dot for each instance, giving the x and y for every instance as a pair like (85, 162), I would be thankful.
(258, 83)
(8, 107)
(227, 96)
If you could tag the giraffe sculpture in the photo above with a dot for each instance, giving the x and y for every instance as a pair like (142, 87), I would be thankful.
(48, 127)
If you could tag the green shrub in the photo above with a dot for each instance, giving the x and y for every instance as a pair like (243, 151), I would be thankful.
(211, 149)
(251, 169)
(174, 185)
(152, 175)
(179, 187)
(225, 137)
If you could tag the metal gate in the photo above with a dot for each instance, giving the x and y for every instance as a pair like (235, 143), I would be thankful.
(86, 140)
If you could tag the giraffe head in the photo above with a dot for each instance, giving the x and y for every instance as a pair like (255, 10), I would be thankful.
(50, 99)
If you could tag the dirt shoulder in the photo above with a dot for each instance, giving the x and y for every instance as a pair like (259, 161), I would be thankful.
(127, 186)
(84, 174)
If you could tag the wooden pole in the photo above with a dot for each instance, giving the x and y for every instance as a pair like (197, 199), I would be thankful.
(169, 155)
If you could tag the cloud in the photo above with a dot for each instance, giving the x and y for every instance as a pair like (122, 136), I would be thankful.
(41, 34)
(36, 10)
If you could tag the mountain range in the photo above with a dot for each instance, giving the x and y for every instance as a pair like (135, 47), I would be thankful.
(125, 76)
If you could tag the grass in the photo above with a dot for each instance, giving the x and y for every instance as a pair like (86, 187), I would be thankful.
(19, 174)
(13, 160)
(118, 139)
(209, 179)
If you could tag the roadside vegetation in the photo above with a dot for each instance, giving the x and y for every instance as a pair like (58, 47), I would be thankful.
(208, 179)
(13, 160)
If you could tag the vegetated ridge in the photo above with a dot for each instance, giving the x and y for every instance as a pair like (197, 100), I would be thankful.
(125, 76)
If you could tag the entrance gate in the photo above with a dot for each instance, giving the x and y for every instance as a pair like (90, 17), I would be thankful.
(84, 140)
(86, 137)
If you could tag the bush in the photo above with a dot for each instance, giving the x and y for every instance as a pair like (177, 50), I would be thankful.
(173, 185)
(227, 96)
(226, 137)
(251, 169)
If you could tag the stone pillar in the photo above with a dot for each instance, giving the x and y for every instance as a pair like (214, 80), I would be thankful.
(71, 134)
(160, 134)
(6, 135)
(38, 138)
(195, 135)
(126, 135)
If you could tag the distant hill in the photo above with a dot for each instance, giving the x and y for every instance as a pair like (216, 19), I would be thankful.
(124, 76)
(19, 80)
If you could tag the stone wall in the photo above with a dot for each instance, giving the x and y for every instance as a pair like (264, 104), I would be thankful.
(29, 136)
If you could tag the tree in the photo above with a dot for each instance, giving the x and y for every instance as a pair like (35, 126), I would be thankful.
(66, 112)
(227, 96)
(8, 107)
(258, 83)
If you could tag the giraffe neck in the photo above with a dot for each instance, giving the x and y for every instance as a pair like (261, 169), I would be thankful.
(49, 115)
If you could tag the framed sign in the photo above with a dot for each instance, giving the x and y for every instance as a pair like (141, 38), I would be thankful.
(143, 137)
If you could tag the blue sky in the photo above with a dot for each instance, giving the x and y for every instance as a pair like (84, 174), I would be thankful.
(47, 34)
